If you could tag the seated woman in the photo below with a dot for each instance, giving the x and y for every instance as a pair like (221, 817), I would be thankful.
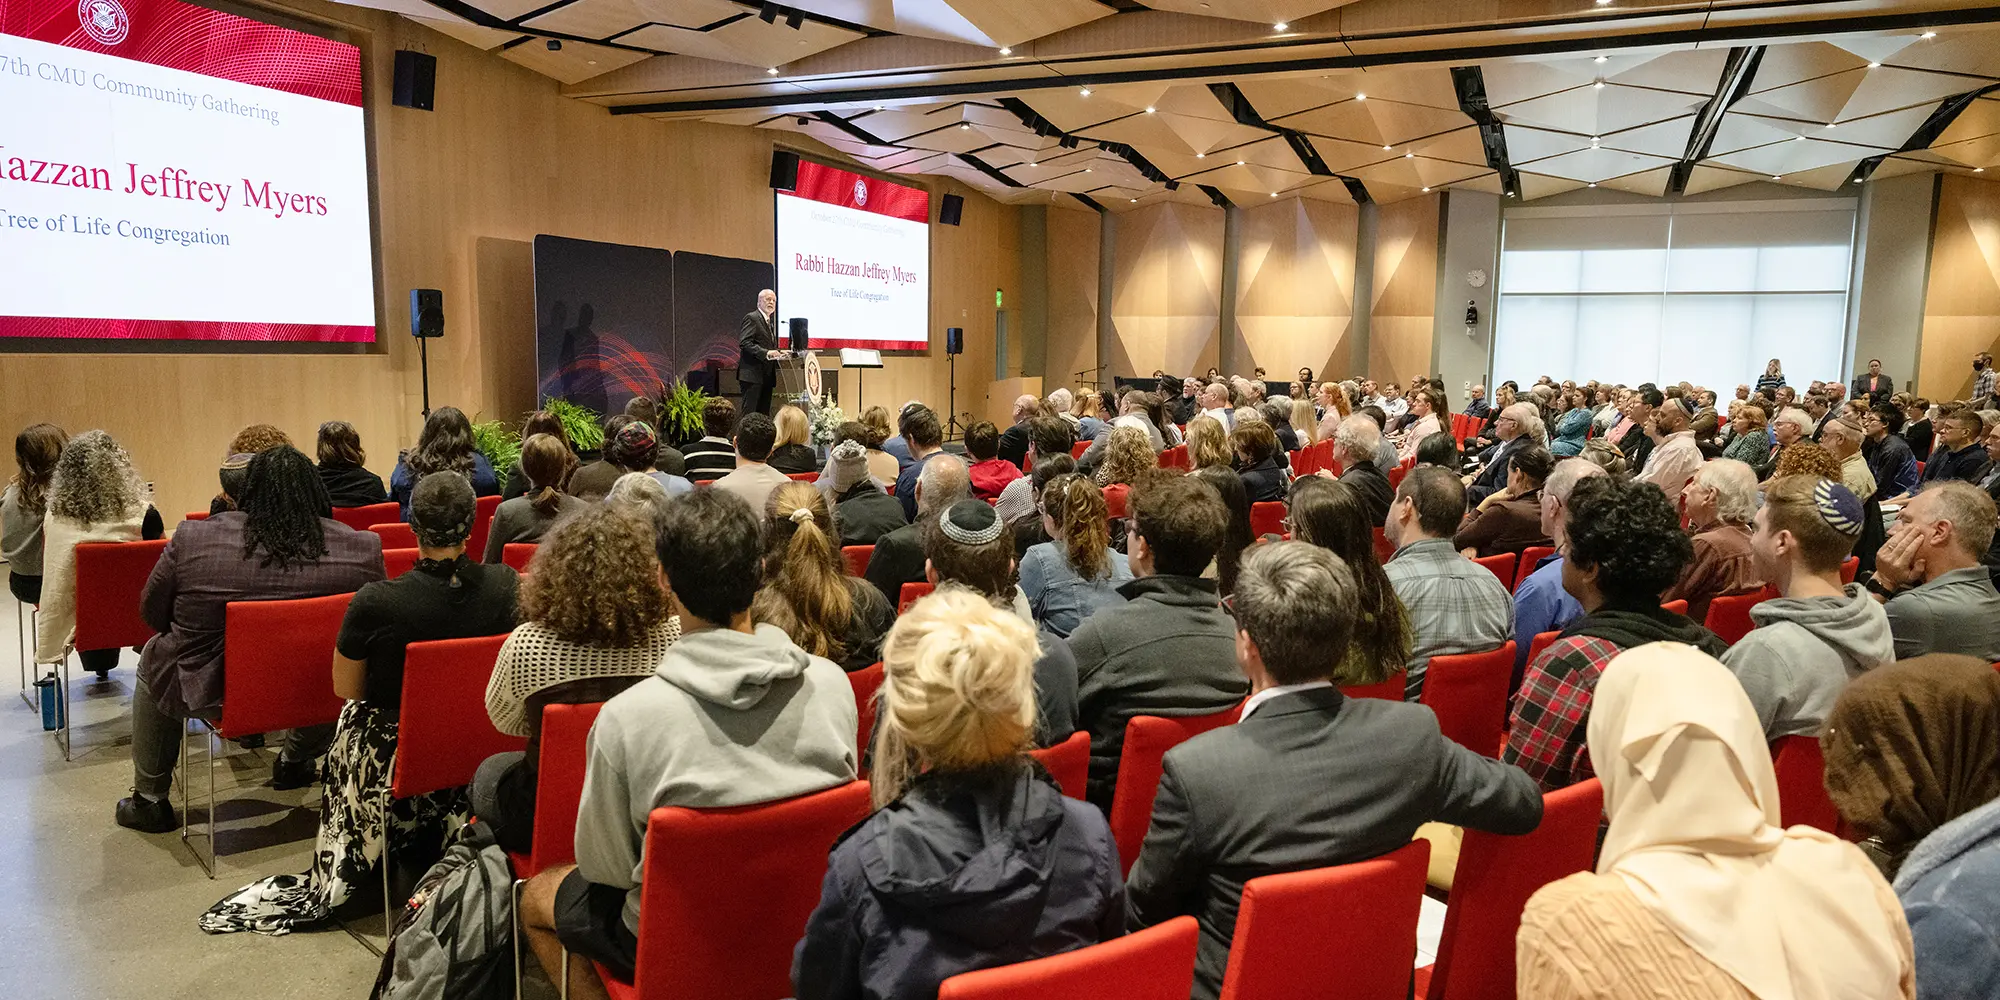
(636, 448)
(547, 462)
(1697, 886)
(1334, 516)
(1067, 578)
(1427, 417)
(341, 462)
(1511, 519)
(1751, 440)
(968, 831)
(1721, 501)
(793, 454)
(1256, 447)
(808, 591)
(1128, 455)
(282, 544)
(882, 465)
(1573, 427)
(538, 422)
(1207, 443)
(444, 445)
(1909, 763)
(94, 496)
(25, 505)
(245, 446)
(1031, 529)
(447, 596)
(1439, 449)
(594, 621)
(1236, 534)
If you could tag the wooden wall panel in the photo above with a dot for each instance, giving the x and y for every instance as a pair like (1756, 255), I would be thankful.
(1073, 248)
(1962, 300)
(1295, 286)
(1167, 290)
(1400, 337)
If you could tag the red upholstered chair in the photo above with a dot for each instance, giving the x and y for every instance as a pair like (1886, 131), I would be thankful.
(866, 682)
(1175, 457)
(802, 477)
(1147, 740)
(1154, 964)
(1300, 462)
(482, 521)
(399, 535)
(1469, 693)
(911, 594)
(726, 894)
(518, 555)
(1729, 615)
(1281, 946)
(1396, 476)
(1529, 557)
(1802, 798)
(1675, 607)
(1391, 689)
(1076, 450)
(1267, 517)
(360, 518)
(396, 562)
(857, 557)
(1116, 496)
(558, 793)
(109, 579)
(1502, 566)
(1495, 877)
(196, 515)
(1384, 548)
(1849, 568)
(1068, 762)
(1542, 641)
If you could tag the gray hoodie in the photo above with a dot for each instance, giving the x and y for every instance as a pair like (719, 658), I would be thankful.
(1803, 651)
(728, 719)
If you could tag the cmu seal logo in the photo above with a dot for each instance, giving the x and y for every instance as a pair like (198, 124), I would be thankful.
(103, 20)
(860, 192)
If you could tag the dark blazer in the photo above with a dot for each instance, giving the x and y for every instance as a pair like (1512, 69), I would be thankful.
(1967, 464)
(865, 513)
(1263, 481)
(1493, 478)
(898, 559)
(1373, 487)
(755, 339)
(1884, 388)
(1311, 779)
(1014, 444)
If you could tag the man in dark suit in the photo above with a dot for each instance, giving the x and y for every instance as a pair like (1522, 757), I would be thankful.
(1354, 442)
(1309, 778)
(1875, 387)
(899, 555)
(758, 354)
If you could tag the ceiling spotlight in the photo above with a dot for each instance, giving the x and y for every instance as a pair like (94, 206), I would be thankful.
(1274, 194)
(1798, 138)
(1601, 60)
(1874, 65)
(962, 127)
(1201, 156)
(1777, 177)
(1033, 163)
(1239, 163)
(1086, 170)
(1280, 26)
(1591, 184)
(1006, 50)
(1150, 110)
(1857, 180)
(1134, 201)
(1928, 35)
(1361, 97)
(773, 71)
(1978, 170)
(1832, 124)
(1509, 194)
(1409, 156)
(1599, 85)
(1388, 149)
(1593, 142)
(1427, 191)
(555, 45)
(1604, 3)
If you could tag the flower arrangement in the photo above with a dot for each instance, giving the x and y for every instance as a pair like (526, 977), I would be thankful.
(824, 416)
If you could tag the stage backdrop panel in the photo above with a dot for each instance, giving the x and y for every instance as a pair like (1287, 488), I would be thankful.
(604, 316)
(711, 296)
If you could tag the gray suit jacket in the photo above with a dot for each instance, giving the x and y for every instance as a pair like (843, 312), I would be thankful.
(1312, 779)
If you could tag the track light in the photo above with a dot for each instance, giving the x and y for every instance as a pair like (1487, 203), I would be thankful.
(1928, 35)
(1280, 26)
(555, 45)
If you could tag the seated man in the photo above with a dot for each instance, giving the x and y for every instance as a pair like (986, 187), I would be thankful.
(1047, 437)
(1674, 457)
(1939, 597)
(1013, 445)
(1890, 460)
(1540, 602)
(863, 512)
(1170, 649)
(1518, 426)
(1455, 604)
(925, 439)
(713, 456)
(753, 479)
(1819, 634)
(1510, 520)
(1625, 547)
(899, 555)
(1958, 454)
(1308, 778)
(790, 717)
(1720, 504)
(1356, 442)
(990, 471)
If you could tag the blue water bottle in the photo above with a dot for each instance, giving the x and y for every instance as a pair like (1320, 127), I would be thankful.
(53, 709)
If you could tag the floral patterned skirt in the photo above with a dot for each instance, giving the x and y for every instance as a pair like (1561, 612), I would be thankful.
(356, 780)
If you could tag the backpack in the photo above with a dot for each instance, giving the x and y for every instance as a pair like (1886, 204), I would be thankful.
(455, 939)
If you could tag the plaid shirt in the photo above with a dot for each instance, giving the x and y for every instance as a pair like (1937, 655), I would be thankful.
(1546, 731)
(1982, 386)
(1455, 605)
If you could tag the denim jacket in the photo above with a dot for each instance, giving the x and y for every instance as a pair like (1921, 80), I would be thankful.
(1950, 888)
(1060, 598)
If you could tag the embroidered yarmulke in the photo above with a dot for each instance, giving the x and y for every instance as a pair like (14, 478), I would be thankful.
(970, 522)
(1838, 507)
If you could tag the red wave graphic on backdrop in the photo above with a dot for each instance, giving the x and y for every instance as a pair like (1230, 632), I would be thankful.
(185, 37)
(621, 366)
(834, 186)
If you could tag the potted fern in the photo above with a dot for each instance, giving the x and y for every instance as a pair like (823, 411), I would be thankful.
(681, 414)
(583, 425)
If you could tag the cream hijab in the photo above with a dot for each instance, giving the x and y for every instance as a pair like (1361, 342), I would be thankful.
(1693, 800)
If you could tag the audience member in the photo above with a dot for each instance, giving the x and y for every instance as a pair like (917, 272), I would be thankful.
(1307, 778)
(1169, 650)
(1303, 421)
(341, 462)
(245, 446)
(1791, 426)
(1939, 596)
(1518, 426)
(791, 451)
(444, 445)
(636, 448)
(447, 596)
(1623, 548)
(1673, 456)
(1126, 457)
(753, 479)
(1890, 460)
(1721, 503)
(793, 713)
(1334, 516)
(1030, 530)
(1750, 438)
(1572, 428)
(1013, 444)
(639, 496)
(1215, 404)
(1076, 572)
(926, 441)
(1917, 428)
(808, 591)
(1354, 442)
(1959, 454)
(861, 510)
(898, 444)
(1842, 439)
(1207, 443)
(881, 465)
(1256, 448)
(1698, 890)
(593, 480)
(899, 555)
(1632, 436)
(547, 464)
(1817, 634)
(514, 483)
(283, 544)
(990, 473)
(94, 495)
(1048, 438)
(1236, 526)
(1510, 520)
(1455, 605)
(641, 409)
(1427, 414)
(23, 510)
(713, 455)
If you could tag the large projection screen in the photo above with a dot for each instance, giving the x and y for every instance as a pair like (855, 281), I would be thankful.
(854, 260)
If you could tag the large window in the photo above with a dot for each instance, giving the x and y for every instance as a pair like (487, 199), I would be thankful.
(1704, 292)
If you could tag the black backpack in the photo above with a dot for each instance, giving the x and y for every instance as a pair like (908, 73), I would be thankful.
(455, 939)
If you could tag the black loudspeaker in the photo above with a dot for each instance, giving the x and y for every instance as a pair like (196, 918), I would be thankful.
(948, 213)
(426, 312)
(799, 339)
(954, 340)
(784, 170)
(416, 80)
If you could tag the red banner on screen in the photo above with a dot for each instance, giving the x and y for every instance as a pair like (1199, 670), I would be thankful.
(156, 329)
(185, 37)
(834, 186)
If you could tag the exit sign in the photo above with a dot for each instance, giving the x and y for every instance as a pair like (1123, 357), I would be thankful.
(996, 298)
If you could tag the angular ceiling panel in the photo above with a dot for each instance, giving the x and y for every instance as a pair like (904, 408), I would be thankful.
(1794, 156)
(604, 18)
(575, 63)
(975, 22)
(1375, 121)
(1596, 165)
(1595, 110)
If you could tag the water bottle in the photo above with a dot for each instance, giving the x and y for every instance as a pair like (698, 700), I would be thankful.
(54, 712)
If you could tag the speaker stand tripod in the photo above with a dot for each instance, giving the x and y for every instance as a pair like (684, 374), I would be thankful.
(424, 363)
(952, 429)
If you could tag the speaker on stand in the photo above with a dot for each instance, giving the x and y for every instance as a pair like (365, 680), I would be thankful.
(426, 322)
(954, 345)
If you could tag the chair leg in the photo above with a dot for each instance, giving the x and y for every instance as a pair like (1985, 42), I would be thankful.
(516, 918)
(21, 625)
(209, 744)
(63, 735)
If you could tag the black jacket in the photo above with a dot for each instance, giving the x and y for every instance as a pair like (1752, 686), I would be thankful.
(1183, 408)
(793, 458)
(1169, 650)
(754, 341)
(1311, 779)
(865, 514)
(352, 486)
(1493, 478)
(898, 559)
(961, 873)
(1967, 464)
(1055, 691)
(1014, 444)
(1374, 489)
(1263, 481)
(1920, 436)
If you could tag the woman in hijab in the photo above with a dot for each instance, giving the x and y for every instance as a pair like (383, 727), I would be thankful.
(1698, 893)
(1910, 752)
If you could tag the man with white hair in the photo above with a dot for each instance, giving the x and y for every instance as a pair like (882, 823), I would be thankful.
(1014, 440)
(1790, 426)
(1939, 598)
(1519, 426)
(898, 559)
(1841, 438)
(1215, 403)
(1061, 401)
(1540, 602)
(1184, 406)
(1354, 443)
(1674, 457)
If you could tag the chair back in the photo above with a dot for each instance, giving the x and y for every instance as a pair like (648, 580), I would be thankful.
(559, 783)
(1802, 798)
(195, 515)
(1390, 689)
(1542, 641)
(913, 592)
(109, 579)
(1729, 615)
(866, 682)
(1469, 693)
(360, 518)
(399, 535)
(1076, 450)
(1502, 566)
(726, 893)
(396, 562)
(277, 664)
(1175, 457)
(1147, 740)
(802, 477)
(1068, 762)
(518, 555)
(1281, 946)
(1384, 548)
(1675, 607)
(1154, 964)
(856, 557)
(1849, 569)
(445, 732)
(1267, 517)
(1396, 475)
(482, 522)
(1496, 875)
(1529, 557)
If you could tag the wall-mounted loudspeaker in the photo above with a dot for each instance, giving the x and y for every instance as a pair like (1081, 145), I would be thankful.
(799, 338)
(416, 80)
(950, 210)
(784, 170)
(954, 340)
(426, 312)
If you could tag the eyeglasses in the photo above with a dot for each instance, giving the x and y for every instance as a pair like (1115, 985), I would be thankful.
(1229, 606)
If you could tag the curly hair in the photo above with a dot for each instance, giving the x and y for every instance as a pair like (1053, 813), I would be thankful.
(1631, 534)
(257, 437)
(1076, 507)
(594, 581)
(95, 482)
(445, 445)
(1207, 443)
(1127, 456)
(283, 501)
(1807, 458)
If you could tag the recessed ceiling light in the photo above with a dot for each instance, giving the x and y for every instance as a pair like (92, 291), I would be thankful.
(1604, 3)
(963, 127)
(1857, 180)
(1601, 60)
(1084, 92)
(773, 71)
(1928, 35)
(1361, 97)
(1427, 191)
(1280, 26)
(1033, 163)
(1086, 170)
(1135, 201)
(1599, 85)
(1593, 142)
(881, 107)
(1274, 194)
(1777, 177)
(1874, 65)
(1150, 110)
(1006, 51)
(1510, 194)
(1798, 138)
(1239, 163)
(1978, 170)
(1832, 124)
(1409, 156)
(1388, 149)
(1201, 156)
(1591, 184)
